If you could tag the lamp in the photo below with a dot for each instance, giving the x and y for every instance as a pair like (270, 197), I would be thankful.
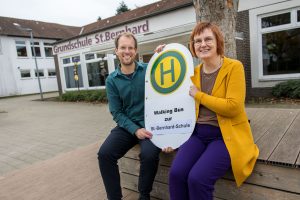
(34, 54)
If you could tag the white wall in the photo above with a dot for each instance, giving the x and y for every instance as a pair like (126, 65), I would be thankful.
(11, 82)
(8, 84)
(251, 4)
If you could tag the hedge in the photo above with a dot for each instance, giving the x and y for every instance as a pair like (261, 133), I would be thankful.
(290, 89)
(85, 95)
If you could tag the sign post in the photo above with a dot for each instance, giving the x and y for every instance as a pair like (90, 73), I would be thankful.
(169, 110)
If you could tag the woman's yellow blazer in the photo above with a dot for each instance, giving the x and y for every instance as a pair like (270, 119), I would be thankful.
(227, 101)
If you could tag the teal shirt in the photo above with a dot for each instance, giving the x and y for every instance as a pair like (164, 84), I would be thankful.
(126, 97)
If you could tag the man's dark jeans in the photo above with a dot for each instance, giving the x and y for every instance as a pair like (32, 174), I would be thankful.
(115, 147)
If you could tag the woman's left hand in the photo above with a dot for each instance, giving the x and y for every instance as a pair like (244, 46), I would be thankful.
(193, 90)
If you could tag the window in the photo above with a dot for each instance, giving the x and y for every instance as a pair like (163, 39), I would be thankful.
(97, 73)
(276, 20)
(25, 73)
(89, 56)
(41, 73)
(97, 69)
(100, 55)
(274, 32)
(21, 49)
(71, 71)
(66, 60)
(48, 49)
(298, 15)
(51, 73)
(280, 39)
(279, 52)
(36, 46)
(76, 59)
(147, 57)
(69, 76)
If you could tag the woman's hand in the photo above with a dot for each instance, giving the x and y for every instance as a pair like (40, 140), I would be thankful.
(193, 90)
(159, 48)
(167, 150)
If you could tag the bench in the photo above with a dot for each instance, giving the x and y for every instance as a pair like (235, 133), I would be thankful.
(266, 182)
(276, 174)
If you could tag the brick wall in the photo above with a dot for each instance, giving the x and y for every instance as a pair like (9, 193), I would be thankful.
(243, 54)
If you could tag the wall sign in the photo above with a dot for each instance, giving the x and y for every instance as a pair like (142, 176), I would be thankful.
(169, 110)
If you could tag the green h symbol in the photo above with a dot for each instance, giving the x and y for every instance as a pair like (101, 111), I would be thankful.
(162, 72)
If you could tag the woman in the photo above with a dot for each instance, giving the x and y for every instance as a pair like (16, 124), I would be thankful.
(222, 137)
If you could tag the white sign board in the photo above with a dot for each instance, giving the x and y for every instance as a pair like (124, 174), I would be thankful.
(169, 110)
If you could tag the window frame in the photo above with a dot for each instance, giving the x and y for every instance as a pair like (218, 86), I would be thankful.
(49, 71)
(40, 70)
(256, 32)
(96, 59)
(21, 45)
(23, 70)
(48, 45)
(71, 64)
(35, 46)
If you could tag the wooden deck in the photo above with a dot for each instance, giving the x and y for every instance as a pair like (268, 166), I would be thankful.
(277, 134)
(276, 175)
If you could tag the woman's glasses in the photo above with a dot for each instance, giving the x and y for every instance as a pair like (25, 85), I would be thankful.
(207, 41)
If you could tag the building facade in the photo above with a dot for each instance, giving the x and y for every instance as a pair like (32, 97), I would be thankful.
(91, 55)
(271, 43)
(18, 74)
(268, 44)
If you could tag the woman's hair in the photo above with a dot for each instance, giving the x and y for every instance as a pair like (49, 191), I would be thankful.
(128, 35)
(199, 28)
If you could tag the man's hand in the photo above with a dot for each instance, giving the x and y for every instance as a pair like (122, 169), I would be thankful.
(143, 133)
(167, 150)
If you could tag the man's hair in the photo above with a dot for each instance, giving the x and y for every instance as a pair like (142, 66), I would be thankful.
(199, 28)
(125, 34)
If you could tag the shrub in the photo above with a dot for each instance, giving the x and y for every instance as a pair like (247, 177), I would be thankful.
(290, 89)
(85, 95)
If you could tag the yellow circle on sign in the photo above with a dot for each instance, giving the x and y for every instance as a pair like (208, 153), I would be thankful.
(168, 72)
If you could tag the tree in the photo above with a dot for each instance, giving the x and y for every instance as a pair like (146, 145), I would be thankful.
(99, 18)
(223, 13)
(122, 8)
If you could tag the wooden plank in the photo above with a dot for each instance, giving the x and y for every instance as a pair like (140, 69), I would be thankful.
(251, 112)
(288, 149)
(133, 152)
(159, 190)
(298, 160)
(129, 167)
(279, 178)
(269, 141)
(129, 194)
(224, 189)
(227, 189)
(133, 195)
(165, 158)
(263, 122)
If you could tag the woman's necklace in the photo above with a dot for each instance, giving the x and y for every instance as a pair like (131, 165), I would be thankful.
(208, 79)
(208, 76)
(216, 69)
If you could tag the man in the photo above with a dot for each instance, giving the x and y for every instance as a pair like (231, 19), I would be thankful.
(125, 92)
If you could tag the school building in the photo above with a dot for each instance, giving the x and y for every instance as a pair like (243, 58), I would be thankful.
(268, 43)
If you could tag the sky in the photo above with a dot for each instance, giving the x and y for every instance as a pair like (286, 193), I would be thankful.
(66, 12)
